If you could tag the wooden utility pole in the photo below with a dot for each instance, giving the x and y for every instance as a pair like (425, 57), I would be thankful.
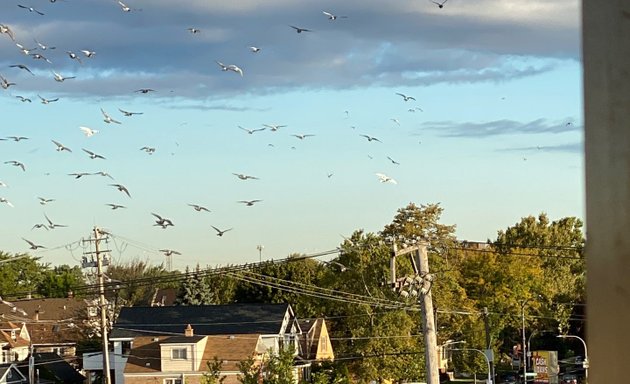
(421, 262)
(99, 263)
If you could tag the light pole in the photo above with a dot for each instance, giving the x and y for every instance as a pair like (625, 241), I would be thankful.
(585, 362)
(523, 346)
(484, 355)
(260, 248)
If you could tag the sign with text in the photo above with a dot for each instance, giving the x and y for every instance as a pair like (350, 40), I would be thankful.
(545, 366)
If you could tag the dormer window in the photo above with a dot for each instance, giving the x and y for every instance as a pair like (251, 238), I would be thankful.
(178, 354)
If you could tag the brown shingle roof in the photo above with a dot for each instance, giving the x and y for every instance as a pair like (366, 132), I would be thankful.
(145, 355)
(230, 350)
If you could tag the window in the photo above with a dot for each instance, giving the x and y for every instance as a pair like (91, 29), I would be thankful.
(178, 354)
(172, 381)
(323, 341)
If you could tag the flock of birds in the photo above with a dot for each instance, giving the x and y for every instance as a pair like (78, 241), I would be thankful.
(42, 53)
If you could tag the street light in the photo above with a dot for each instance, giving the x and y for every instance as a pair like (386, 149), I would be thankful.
(484, 355)
(585, 362)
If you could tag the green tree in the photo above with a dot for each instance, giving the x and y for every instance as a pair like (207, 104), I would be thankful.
(213, 375)
(249, 371)
(21, 276)
(139, 280)
(60, 281)
(195, 289)
(278, 368)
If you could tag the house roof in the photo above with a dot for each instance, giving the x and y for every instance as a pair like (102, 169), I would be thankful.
(310, 337)
(204, 319)
(47, 309)
(53, 366)
(145, 355)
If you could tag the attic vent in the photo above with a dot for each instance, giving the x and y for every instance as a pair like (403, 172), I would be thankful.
(231, 337)
(156, 339)
(147, 364)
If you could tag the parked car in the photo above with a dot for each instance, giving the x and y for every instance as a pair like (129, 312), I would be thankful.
(569, 378)
(507, 378)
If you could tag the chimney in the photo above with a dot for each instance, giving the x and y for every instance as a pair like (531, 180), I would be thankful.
(189, 331)
(36, 316)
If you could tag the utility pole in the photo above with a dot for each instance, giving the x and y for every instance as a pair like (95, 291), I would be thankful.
(421, 262)
(99, 263)
(489, 352)
(523, 348)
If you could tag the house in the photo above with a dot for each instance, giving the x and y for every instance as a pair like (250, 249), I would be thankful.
(51, 368)
(55, 324)
(9, 374)
(315, 341)
(14, 342)
(156, 336)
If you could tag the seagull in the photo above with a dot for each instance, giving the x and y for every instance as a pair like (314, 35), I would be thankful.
(26, 51)
(440, 5)
(371, 138)
(74, 56)
(115, 206)
(162, 222)
(332, 17)
(37, 226)
(52, 225)
(302, 137)
(22, 66)
(108, 119)
(199, 208)
(30, 9)
(16, 163)
(300, 30)
(3, 184)
(124, 7)
(42, 46)
(17, 138)
(220, 232)
(395, 121)
(149, 150)
(393, 161)
(89, 54)
(61, 147)
(4, 83)
(104, 174)
(88, 132)
(23, 99)
(254, 49)
(145, 90)
(7, 202)
(44, 201)
(169, 252)
(4, 29)
(249, 203)
(33, 245)
(129, 114)
(193, 30)
(273, 127)
(223, 66)
(79, 174)
(60, 78)
(92, 154)
(386, 179)
(405, 97)
(251, 131)
(244, 177)
(235, 68)
(121, 188)
(47, 101)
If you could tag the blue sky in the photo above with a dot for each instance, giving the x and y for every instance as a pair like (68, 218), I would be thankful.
(496, 135)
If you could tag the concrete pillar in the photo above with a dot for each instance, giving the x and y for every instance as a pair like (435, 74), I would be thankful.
(606, 51)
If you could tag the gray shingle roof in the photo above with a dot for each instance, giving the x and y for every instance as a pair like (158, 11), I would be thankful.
(204, 319)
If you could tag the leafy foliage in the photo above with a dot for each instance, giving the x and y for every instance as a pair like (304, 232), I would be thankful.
(213, 374)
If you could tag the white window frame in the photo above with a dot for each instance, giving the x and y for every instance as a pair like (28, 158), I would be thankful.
(179, 350)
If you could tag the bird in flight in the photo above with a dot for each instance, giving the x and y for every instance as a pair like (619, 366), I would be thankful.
(251, 131)
(88, 132)
(107, 118)
(23, 99)
(220, 232)
(393, 161)
(115, 206)
(249, 203)
(79, 175)
(440, 5)
(17, 138)
(244, 177)
(121, 188)
(4, 83)
(92, 154)
(5, 201)
(47, 101)
(169, 252)
(89, 54)
(300, 30)
(333, 17)
(395, 121)
(162, 221)
(193, 30)
(74, 56)
(38, 226)
(230, 67)
(124, 7)
(274, 127)
(24, 50)
(371, 138)
(385, 179)
(52, 225)
(30, 9)
(6, 30)
(16, 164)
(254, 49)
(302, 137)
(60, 79)
(149, 150)
(405, 97)
(129, 114)
(22, 66)
(33, 245)
(145, 90)
(199, 208)
(102, 173)
(61, 147)
(43, 47)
